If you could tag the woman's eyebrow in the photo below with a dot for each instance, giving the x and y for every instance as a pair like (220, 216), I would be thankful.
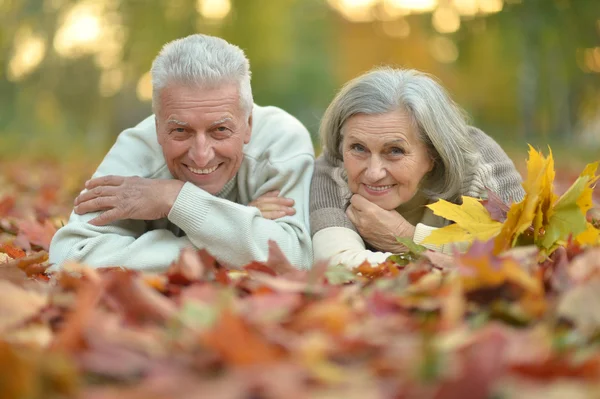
(396, 142)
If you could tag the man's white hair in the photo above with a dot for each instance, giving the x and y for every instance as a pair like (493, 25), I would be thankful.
(204, 61)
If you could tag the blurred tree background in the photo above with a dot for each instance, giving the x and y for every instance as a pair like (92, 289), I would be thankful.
(74, 73)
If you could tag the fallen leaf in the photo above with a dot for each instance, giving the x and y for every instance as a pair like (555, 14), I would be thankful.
(472, 222)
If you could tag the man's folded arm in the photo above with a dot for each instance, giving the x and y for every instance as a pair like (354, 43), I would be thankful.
(126, 242)
(123, 243)
(238, 234)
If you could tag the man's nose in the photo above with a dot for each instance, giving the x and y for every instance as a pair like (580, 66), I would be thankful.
(375, 170)
(201, 152)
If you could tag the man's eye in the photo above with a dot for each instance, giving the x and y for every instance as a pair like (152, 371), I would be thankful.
(222, 129)
(178, 130)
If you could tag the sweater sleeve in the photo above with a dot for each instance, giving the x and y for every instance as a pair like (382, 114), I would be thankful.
(237, 234)
(343, 246)
(496, 171)
(329, 196)
(126, 243)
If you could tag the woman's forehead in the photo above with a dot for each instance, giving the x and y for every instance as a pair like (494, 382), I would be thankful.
(388, 127)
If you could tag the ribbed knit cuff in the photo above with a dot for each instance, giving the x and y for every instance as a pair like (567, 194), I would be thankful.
(190, 208)
(422, 231)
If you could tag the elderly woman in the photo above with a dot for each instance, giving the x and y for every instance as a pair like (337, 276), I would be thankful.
(394, 142)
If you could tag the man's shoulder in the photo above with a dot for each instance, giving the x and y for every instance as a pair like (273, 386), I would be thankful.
(277, 135)
(136, 152)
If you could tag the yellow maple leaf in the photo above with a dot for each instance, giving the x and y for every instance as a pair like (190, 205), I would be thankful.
(472, 221)
(487, 271)
(536, 203)
(590, 236)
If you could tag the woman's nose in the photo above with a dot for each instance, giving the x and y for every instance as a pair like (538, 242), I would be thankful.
(375, 170)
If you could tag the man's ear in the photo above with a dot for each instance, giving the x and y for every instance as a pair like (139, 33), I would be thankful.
(249, 133)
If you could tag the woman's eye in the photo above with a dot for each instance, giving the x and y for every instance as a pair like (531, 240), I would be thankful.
(357, 148)
(396, 151)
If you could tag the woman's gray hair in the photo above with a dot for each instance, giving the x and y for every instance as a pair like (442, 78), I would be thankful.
(441, 123)
(202, 60)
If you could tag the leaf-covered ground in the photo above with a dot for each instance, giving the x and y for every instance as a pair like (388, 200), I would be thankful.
(513, 325)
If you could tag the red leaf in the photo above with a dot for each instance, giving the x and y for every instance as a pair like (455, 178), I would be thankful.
(277, 261)
(37, 234)
(495, 206)
(7, 203)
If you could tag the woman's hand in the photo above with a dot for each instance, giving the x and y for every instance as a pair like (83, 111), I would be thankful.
(377, 226)
(273, 207)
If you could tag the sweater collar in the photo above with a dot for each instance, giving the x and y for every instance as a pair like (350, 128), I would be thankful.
(227, 189)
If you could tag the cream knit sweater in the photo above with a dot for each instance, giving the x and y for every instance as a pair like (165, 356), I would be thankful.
(335, 237)
(279, 156)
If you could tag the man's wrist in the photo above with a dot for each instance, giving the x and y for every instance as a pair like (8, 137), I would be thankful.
(171, 193)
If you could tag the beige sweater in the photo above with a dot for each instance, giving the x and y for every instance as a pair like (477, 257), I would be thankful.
(335, 237)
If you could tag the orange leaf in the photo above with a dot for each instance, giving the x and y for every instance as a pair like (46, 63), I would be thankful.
(238, 343)
(12, 251)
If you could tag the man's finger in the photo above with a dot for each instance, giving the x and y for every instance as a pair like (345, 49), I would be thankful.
(273, 193)
(99, 191)
(273, 200)
(109, 180)
(95, 205)
(272, 215)
(106, 217)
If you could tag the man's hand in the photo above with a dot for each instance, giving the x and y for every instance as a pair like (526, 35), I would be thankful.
(273, 207)
(377, 226)
(127, 198)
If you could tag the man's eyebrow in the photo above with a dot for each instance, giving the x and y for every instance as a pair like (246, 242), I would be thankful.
(221, 121)
(176, 122)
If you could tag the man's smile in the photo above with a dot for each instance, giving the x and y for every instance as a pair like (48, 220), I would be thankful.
(206, 171)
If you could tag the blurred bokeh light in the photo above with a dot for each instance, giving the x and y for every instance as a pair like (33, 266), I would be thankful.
(74, 73)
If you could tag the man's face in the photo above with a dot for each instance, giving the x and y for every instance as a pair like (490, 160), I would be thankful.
(202, 133)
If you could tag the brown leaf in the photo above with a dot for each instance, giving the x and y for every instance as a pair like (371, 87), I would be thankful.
(30, 264)
(137, 301)
(18, 305)
(187, 269)
(71, 337)
(239, 344)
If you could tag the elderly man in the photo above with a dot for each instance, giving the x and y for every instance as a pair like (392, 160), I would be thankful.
(196, 173)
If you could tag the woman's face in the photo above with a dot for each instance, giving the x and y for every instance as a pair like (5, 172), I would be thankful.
(383, 157)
